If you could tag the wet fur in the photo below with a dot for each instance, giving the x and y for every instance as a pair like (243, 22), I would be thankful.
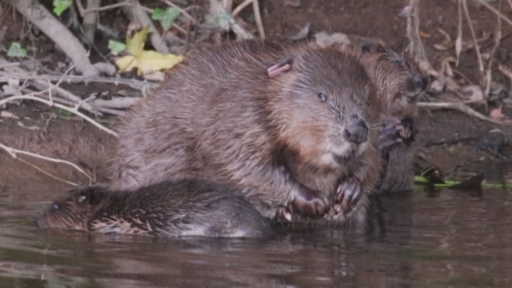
(219, 116)
(181, 208)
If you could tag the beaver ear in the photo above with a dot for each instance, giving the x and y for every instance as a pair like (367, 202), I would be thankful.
(281, 67)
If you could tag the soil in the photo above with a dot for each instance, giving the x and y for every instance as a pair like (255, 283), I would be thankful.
(60, 136)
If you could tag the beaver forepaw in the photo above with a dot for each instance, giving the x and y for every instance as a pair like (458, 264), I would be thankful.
(310, 203)
(348, 194)
(389, 133)
(406, 129)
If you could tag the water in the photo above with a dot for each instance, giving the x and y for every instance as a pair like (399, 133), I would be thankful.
(446, 239)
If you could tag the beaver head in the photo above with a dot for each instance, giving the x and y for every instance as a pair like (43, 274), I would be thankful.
(72, 212)
(321, 107)
(398, 82)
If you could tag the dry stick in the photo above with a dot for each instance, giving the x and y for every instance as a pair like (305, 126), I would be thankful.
(90, 20)
(477, 49)
(496, 44)
(257, 18)
(51, 104)
(107, 7)
(185, 13)
(257, 14)
(458, 42)
(486, 5)
(217, 8)
(48, 173)
(135, 84)
(463, 108)
(13, 152)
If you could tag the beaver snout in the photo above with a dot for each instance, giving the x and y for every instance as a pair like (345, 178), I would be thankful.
(356, 131)
(420, 82)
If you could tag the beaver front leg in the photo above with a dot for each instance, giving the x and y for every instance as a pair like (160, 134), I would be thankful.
(393, 131)
(348, 193)
(276, 194)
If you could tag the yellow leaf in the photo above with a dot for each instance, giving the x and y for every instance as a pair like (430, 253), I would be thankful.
(135, 44)
(148, 61)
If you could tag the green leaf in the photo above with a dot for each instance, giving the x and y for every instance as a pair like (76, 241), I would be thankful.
(16, 51)
(157, 14)
(64, 112)
(167, 17)
(60, 6)
(116, 47)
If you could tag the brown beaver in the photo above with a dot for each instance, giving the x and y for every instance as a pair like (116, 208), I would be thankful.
(220, 116)
(180, 208)
(399, 84)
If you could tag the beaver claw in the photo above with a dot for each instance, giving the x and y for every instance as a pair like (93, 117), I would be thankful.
(347, 195)
(310, 203)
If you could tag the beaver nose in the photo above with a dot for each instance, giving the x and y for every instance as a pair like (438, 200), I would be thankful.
(421, 82)
(356, 132)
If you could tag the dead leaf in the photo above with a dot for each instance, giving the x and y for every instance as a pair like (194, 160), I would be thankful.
(325, 40)
(506, 71)
(473, 94)
(145, 61)
(446, 68)
(497, 114)
(424, 34)
(6, 114)
(302, 34)
(446, 44)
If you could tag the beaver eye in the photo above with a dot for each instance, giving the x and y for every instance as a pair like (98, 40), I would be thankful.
(322, 97)
(81, 199)
(55, 206)
(398, 63)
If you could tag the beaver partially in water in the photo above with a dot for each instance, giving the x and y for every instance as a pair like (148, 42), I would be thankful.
(399, 84)
(220, 116)
(180, 208)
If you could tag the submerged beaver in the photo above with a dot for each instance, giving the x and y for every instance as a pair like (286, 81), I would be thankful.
(181, 208)
(250, 114)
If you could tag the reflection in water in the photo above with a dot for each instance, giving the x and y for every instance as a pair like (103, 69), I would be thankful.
(411, 240)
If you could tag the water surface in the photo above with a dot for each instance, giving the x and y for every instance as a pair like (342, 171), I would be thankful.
(423, 239)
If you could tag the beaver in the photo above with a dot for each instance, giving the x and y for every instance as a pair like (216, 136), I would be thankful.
(179, 208)
(248, 113)
(399, 83)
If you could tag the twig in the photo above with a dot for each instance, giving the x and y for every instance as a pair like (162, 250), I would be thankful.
(257, 14)
(13, 152)
(458, 41)
(257, 18)
(497, 37)
(486, 5)
(465, 109)
(51, 104)
(477, 49)
(47, 173)
(107, 7)
(185, 13)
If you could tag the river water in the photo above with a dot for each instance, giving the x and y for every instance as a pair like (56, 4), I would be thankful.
(422, 239)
